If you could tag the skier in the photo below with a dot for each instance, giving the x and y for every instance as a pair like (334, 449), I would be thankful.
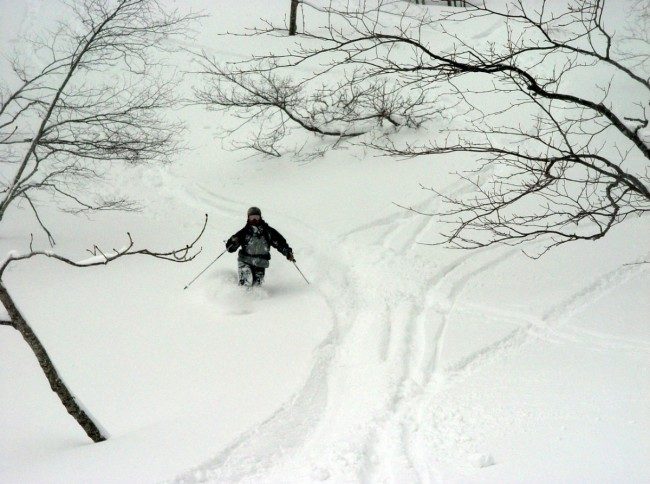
(255, 240)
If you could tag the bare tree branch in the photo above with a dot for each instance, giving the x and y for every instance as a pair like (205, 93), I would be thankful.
(90, 96)
(184, 254)
(67, 119)
(18, 321)
(40, 222)
(558, 157)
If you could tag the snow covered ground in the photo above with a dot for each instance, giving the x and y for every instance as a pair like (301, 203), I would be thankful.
(400, 362)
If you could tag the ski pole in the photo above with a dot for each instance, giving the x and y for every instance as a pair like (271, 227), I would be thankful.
(200, 273)
(303, 276)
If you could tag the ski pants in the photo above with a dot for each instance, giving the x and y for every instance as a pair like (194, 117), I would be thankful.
(250, 275)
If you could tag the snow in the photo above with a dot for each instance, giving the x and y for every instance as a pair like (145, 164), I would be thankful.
(400, 362)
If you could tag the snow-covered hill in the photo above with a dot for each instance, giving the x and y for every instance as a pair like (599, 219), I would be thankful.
(400, 362)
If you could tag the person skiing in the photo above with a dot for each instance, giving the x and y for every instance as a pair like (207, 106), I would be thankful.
(256, 239)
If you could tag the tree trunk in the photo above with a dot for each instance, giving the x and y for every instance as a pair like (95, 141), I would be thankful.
(57, 384)
(293, 17)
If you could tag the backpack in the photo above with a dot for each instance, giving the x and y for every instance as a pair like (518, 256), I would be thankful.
(257, 242)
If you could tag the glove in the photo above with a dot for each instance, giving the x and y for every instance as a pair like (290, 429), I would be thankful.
(290, 256)
(231, 245)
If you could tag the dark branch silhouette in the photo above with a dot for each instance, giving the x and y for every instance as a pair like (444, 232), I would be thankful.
(93, 101)
(558, 156)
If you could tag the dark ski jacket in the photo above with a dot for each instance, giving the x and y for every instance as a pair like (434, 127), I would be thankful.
(256, 242)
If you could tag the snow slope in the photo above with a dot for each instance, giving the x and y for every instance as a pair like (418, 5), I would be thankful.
(401, 362)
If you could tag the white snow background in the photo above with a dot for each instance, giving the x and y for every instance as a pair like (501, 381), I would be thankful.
(401, 362)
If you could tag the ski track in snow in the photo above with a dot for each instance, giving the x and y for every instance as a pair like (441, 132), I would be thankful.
(552, 325)
(370, 408)
(398, 388)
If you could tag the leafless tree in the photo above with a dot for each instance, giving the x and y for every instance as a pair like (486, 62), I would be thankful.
(555, 105)
(17, 319)
(293, 17)
(82, 98)
(85, 97)
(346, 109)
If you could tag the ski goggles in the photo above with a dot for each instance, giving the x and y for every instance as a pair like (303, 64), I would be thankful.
(254, 218)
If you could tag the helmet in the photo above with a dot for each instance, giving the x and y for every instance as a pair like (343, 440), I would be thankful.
(254, 211)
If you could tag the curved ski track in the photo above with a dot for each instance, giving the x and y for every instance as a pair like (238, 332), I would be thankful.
(380, 369)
